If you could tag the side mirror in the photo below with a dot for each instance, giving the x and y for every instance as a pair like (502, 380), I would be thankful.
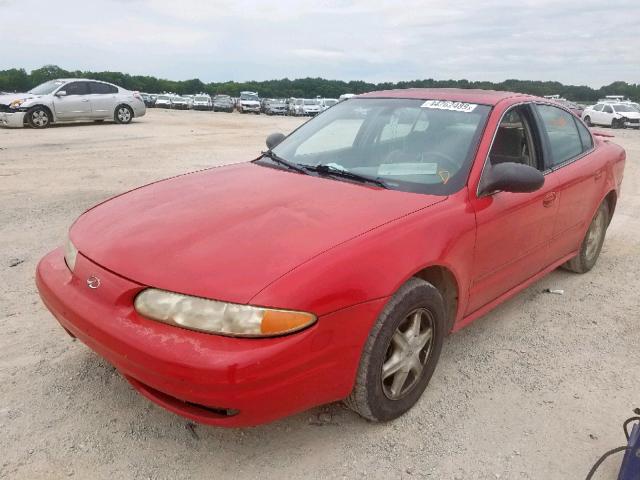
(274, 139)
(61, 93)
(511, 177)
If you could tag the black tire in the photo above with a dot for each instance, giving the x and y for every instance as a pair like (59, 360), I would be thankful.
(372, 396)
(615, 123)
(38, 117)
(592, 243)
(123, 114)
(587, 120)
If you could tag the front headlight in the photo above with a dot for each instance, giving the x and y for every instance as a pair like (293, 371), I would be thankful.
(70, 254)
(212, 316)
(17, 103)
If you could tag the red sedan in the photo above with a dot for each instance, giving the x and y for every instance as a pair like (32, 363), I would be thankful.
(332, 267)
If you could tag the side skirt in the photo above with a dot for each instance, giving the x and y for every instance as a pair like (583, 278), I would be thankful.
(510, 293)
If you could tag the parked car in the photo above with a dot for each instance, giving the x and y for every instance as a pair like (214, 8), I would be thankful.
(223, 103)
(66, 100)
(327, 103)
(275, 107)
(384, 224)
(202, 102)
(345, 96)
(148, 99)
(614, 115)
(163, 101)
(575, 108)
(180, 103)
(248, 102)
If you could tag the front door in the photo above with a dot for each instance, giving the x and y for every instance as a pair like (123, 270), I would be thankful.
(75, 104)
(513, 229)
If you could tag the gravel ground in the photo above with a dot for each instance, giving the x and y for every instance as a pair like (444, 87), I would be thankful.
(537, 389)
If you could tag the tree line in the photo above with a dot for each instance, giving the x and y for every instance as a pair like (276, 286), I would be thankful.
(18, 80)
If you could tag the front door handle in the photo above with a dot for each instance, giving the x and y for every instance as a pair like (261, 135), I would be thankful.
(549, 199)
(85, 99)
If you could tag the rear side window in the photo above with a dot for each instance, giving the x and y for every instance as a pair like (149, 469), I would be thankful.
(76, 88)
(102, 88)
(561, 129)
(585, 136)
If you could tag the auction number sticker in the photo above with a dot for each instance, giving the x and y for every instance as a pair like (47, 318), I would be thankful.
(449, 105)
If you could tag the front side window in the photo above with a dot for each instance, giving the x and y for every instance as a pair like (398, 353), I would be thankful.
(562, 132)
(514, 141)
(411, 145)
(76, 88)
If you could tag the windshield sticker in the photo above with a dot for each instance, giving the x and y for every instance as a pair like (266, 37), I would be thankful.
(449, 105)
(408, 169)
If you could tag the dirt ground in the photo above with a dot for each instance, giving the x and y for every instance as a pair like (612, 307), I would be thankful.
(537, 389)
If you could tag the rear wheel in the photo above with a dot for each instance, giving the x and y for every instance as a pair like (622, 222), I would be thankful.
(123, 114)
(592, 242)
(400, 354)
(38, 117)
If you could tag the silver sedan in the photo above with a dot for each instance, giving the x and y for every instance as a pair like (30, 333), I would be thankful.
(66, 100)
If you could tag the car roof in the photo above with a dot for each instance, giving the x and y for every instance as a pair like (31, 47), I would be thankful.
(485, 97)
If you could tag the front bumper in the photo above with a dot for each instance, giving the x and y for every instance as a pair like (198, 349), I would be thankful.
(250, 108)
(211, 379)
(12, 119)
(632, 123)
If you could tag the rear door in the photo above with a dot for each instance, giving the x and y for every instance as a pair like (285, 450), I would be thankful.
(75, 104)
(513, 229)
(103, 98)
(579, 170)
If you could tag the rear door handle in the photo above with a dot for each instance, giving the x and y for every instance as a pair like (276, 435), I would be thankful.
(549, 199)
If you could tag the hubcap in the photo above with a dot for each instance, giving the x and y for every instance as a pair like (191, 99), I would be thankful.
(124, 115)
(40, 118)
(594, 234)
(407, 354)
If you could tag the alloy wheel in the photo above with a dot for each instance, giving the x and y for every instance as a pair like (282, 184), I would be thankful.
(124, 115)
(407, 354)
(40, 118)
(594, 235)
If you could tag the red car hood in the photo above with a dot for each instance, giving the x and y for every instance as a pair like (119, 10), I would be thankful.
(228, 232)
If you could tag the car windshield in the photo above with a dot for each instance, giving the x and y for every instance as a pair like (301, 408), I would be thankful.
(248, 97)
(411, 145)
(202, 99)
(310, 102)
(46, 88)
(162, 97)
(624, 108)
(330, 103)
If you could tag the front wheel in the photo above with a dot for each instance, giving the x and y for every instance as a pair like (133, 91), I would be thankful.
(400, 354)
(123, 114)
(38, 117)
(615, 123)
(592, 242)
(587, 120)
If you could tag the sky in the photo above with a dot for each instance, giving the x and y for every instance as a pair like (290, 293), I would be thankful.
(579, 42)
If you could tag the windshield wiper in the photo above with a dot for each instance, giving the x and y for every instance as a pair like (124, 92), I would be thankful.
(338, 172)
(277, 159)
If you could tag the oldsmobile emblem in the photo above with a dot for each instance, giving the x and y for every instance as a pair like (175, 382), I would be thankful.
(93, 282)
